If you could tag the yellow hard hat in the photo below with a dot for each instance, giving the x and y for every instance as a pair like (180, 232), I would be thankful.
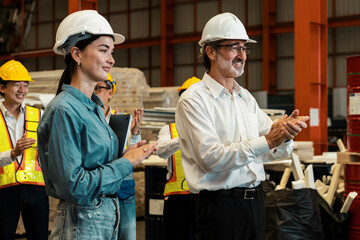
(14, 71)
(188, 83)
(112, 82)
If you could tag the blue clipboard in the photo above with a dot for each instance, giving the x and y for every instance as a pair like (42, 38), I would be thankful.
(120, 124)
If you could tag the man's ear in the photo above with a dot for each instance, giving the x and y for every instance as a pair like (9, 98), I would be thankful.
(211, 52)
(2, 88)
(76, 54)
(110, 93)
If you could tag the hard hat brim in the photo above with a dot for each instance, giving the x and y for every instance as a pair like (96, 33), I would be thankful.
(118, 38)
(202, 42)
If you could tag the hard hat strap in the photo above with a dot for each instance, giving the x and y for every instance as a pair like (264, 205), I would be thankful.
(72, 40)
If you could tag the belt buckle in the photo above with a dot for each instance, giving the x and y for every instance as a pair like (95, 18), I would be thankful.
(246, 192)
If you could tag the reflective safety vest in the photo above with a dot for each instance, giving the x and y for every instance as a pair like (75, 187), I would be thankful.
(177, 183)
(29, 172)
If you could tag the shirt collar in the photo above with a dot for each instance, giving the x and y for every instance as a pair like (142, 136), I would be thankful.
(91, 104)
(216, 88)
(6, 112)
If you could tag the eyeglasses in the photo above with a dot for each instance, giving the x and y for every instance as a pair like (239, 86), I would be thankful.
(234, 48)
(98, 89)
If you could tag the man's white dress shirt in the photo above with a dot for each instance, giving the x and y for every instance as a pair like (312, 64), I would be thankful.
(222, 137)
(16, 131)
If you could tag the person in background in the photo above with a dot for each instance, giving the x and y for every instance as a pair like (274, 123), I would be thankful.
(225, 137)
(180, 203)
(21, 179)
(105, 90)
(78, 149)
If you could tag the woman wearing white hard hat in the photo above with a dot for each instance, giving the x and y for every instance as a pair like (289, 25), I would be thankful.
(78, 150)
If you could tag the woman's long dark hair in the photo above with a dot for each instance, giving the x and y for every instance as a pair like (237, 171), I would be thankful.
(71, 64)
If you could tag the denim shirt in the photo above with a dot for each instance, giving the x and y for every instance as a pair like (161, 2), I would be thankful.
(78, 150)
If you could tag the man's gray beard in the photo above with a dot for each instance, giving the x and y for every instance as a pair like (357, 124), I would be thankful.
(242, 69)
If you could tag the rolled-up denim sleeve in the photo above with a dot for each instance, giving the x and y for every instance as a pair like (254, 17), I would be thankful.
(62, 154)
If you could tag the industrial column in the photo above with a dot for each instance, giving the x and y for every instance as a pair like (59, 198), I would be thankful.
(76, 5)
(166, 48)
(311, 69)
(269, 46)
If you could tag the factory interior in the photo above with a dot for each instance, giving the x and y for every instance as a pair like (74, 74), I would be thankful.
(305, 56)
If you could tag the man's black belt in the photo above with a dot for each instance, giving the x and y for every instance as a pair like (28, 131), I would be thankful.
(243, 193)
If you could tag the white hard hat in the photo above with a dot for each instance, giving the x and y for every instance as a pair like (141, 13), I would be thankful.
(82, 25)
(224, 26)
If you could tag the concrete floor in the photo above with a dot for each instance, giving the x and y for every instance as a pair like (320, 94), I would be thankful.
(140, 231)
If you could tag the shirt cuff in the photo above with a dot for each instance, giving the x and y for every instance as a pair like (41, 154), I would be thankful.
(135, 139)
(260, 146)
(124, 166)
(6, 158)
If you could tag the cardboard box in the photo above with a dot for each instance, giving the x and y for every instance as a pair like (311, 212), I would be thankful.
(348, 157)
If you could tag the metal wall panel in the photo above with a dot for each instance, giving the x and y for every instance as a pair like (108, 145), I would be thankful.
(29, 63)
(235, 7)
(155, 22)
(115, 5)
(155, 3)
(155, 77)
(285, 45)
(47, 40)
(254, 69)
(341, 71)
(330, 40)
(182, 73)
(118, 23)
(59, 62)
(347, 39)
(45, 63)
(256, 48)
(45, 8)
(330, 72)
(241, 81)
(120, 56)
(329, 7)
(30, 41)
(205, 11)
(183, 53)
(200, 70)
(254, 12)
(285, 73)
(285, 66)
(155, 56)
(139, 4)
(61, 9)
(285, 10)
(139, 24)
(184, 18)
(139, 57)
(347, 7)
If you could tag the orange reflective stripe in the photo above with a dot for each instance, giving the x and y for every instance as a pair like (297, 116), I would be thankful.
(5, 143)
(177, 183)
(29, 171)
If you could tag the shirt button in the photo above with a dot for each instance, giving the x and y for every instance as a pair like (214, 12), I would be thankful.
(111, 137)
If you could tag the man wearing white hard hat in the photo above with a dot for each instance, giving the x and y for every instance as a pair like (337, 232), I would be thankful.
(225, 137)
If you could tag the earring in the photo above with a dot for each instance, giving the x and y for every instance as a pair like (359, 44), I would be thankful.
(78, 63)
